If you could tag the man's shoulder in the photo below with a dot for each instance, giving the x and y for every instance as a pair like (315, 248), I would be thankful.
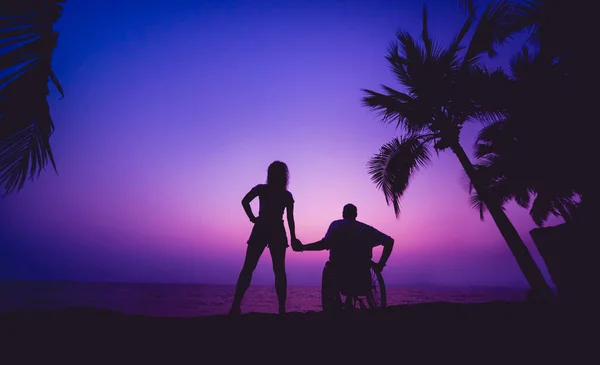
(337, 223)
(368, 228)
(364, 225)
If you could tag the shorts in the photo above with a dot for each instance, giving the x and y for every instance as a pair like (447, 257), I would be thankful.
(271, 234)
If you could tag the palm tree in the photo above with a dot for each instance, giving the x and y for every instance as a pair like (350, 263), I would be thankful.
(524, 155)
(548, 22)
(27, 41)
(509, 171)
(532, 152)
(445, 89)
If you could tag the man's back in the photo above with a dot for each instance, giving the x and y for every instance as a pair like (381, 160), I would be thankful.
(351, 242)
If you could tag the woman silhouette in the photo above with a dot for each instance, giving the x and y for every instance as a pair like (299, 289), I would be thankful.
(268, 231)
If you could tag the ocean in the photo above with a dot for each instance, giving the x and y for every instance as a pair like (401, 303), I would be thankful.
(192, 300)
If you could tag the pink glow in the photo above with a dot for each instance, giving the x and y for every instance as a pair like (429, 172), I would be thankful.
(165, 128)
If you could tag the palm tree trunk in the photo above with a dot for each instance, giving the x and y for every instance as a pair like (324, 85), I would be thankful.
(532, 272)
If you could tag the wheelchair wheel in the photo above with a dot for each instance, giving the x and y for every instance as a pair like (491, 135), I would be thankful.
(331, 300)
(377, 297)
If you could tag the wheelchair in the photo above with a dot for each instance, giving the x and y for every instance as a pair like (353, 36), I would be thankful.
(362, 288)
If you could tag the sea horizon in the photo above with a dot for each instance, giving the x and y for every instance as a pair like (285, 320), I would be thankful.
(192, 300)
(397, 285)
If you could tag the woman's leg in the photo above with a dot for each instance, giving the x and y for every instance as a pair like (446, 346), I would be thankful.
(278, 258)
(253, 253)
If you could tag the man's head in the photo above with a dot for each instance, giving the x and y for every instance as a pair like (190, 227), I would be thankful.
(350, 212)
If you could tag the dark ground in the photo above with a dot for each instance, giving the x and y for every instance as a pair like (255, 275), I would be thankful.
(486, 333)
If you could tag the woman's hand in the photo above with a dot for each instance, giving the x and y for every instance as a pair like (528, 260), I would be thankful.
(378, 266)
(297, 246)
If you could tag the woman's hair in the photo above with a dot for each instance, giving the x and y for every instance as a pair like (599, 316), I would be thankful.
(278, 175)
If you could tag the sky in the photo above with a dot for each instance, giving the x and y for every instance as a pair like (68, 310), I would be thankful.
(174, 110)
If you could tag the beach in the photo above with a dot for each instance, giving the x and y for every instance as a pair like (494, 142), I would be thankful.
(493, 332)
(194, 300)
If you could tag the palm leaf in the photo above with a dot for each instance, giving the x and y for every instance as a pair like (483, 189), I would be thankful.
(530, 15)
(467, 6)
(497, 190)
(455, 45)
(510, 168)
(398, 107)
(393, 166)
(427, 41)
(521, 64)
(487, 93)
(496, 25)
(27, 41)
(407, 58)
(477, 204)
(541, 209)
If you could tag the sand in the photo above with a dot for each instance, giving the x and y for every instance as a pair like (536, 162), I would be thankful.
(497, 332)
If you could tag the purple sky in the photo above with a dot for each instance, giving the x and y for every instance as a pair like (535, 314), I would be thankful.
(171, 114)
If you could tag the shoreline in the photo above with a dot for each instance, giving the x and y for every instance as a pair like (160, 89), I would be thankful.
(391, 312)
(439, 330)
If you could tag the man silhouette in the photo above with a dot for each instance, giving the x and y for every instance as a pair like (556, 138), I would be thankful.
(350, 244)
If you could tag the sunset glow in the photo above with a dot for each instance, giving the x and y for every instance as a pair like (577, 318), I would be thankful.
(173, 111)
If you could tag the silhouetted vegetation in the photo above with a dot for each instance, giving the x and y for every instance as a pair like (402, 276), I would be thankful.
(445, 88)
(528, 155)
(27, 41)
(536, 153)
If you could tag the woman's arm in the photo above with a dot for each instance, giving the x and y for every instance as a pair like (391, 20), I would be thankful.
(291, 222)
(253, 193)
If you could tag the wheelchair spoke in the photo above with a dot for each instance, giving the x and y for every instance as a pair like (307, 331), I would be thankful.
(361, 303)
(333, 298)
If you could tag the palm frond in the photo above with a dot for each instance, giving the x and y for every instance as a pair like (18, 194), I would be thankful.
(467, 6)
(488, 93)
(512, 169)
(529, 17)
(420, 66)
(427, 41)
(521, 64)
(541, 209)
(27, 41)
(477, 204)
(496, 25)
(500, 180)
(398, 107)
(475, 201)
(393, 166)
(497, 192)
(455, 45)
(407, 59)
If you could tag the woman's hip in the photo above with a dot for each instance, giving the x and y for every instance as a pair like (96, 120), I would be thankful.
(268, 234)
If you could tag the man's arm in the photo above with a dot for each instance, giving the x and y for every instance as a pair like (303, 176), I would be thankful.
(315, 246)
(387, 242)
(388, 246)
(323, 244)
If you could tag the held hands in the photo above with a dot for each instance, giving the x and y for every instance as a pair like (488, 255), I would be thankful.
(297, 246)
